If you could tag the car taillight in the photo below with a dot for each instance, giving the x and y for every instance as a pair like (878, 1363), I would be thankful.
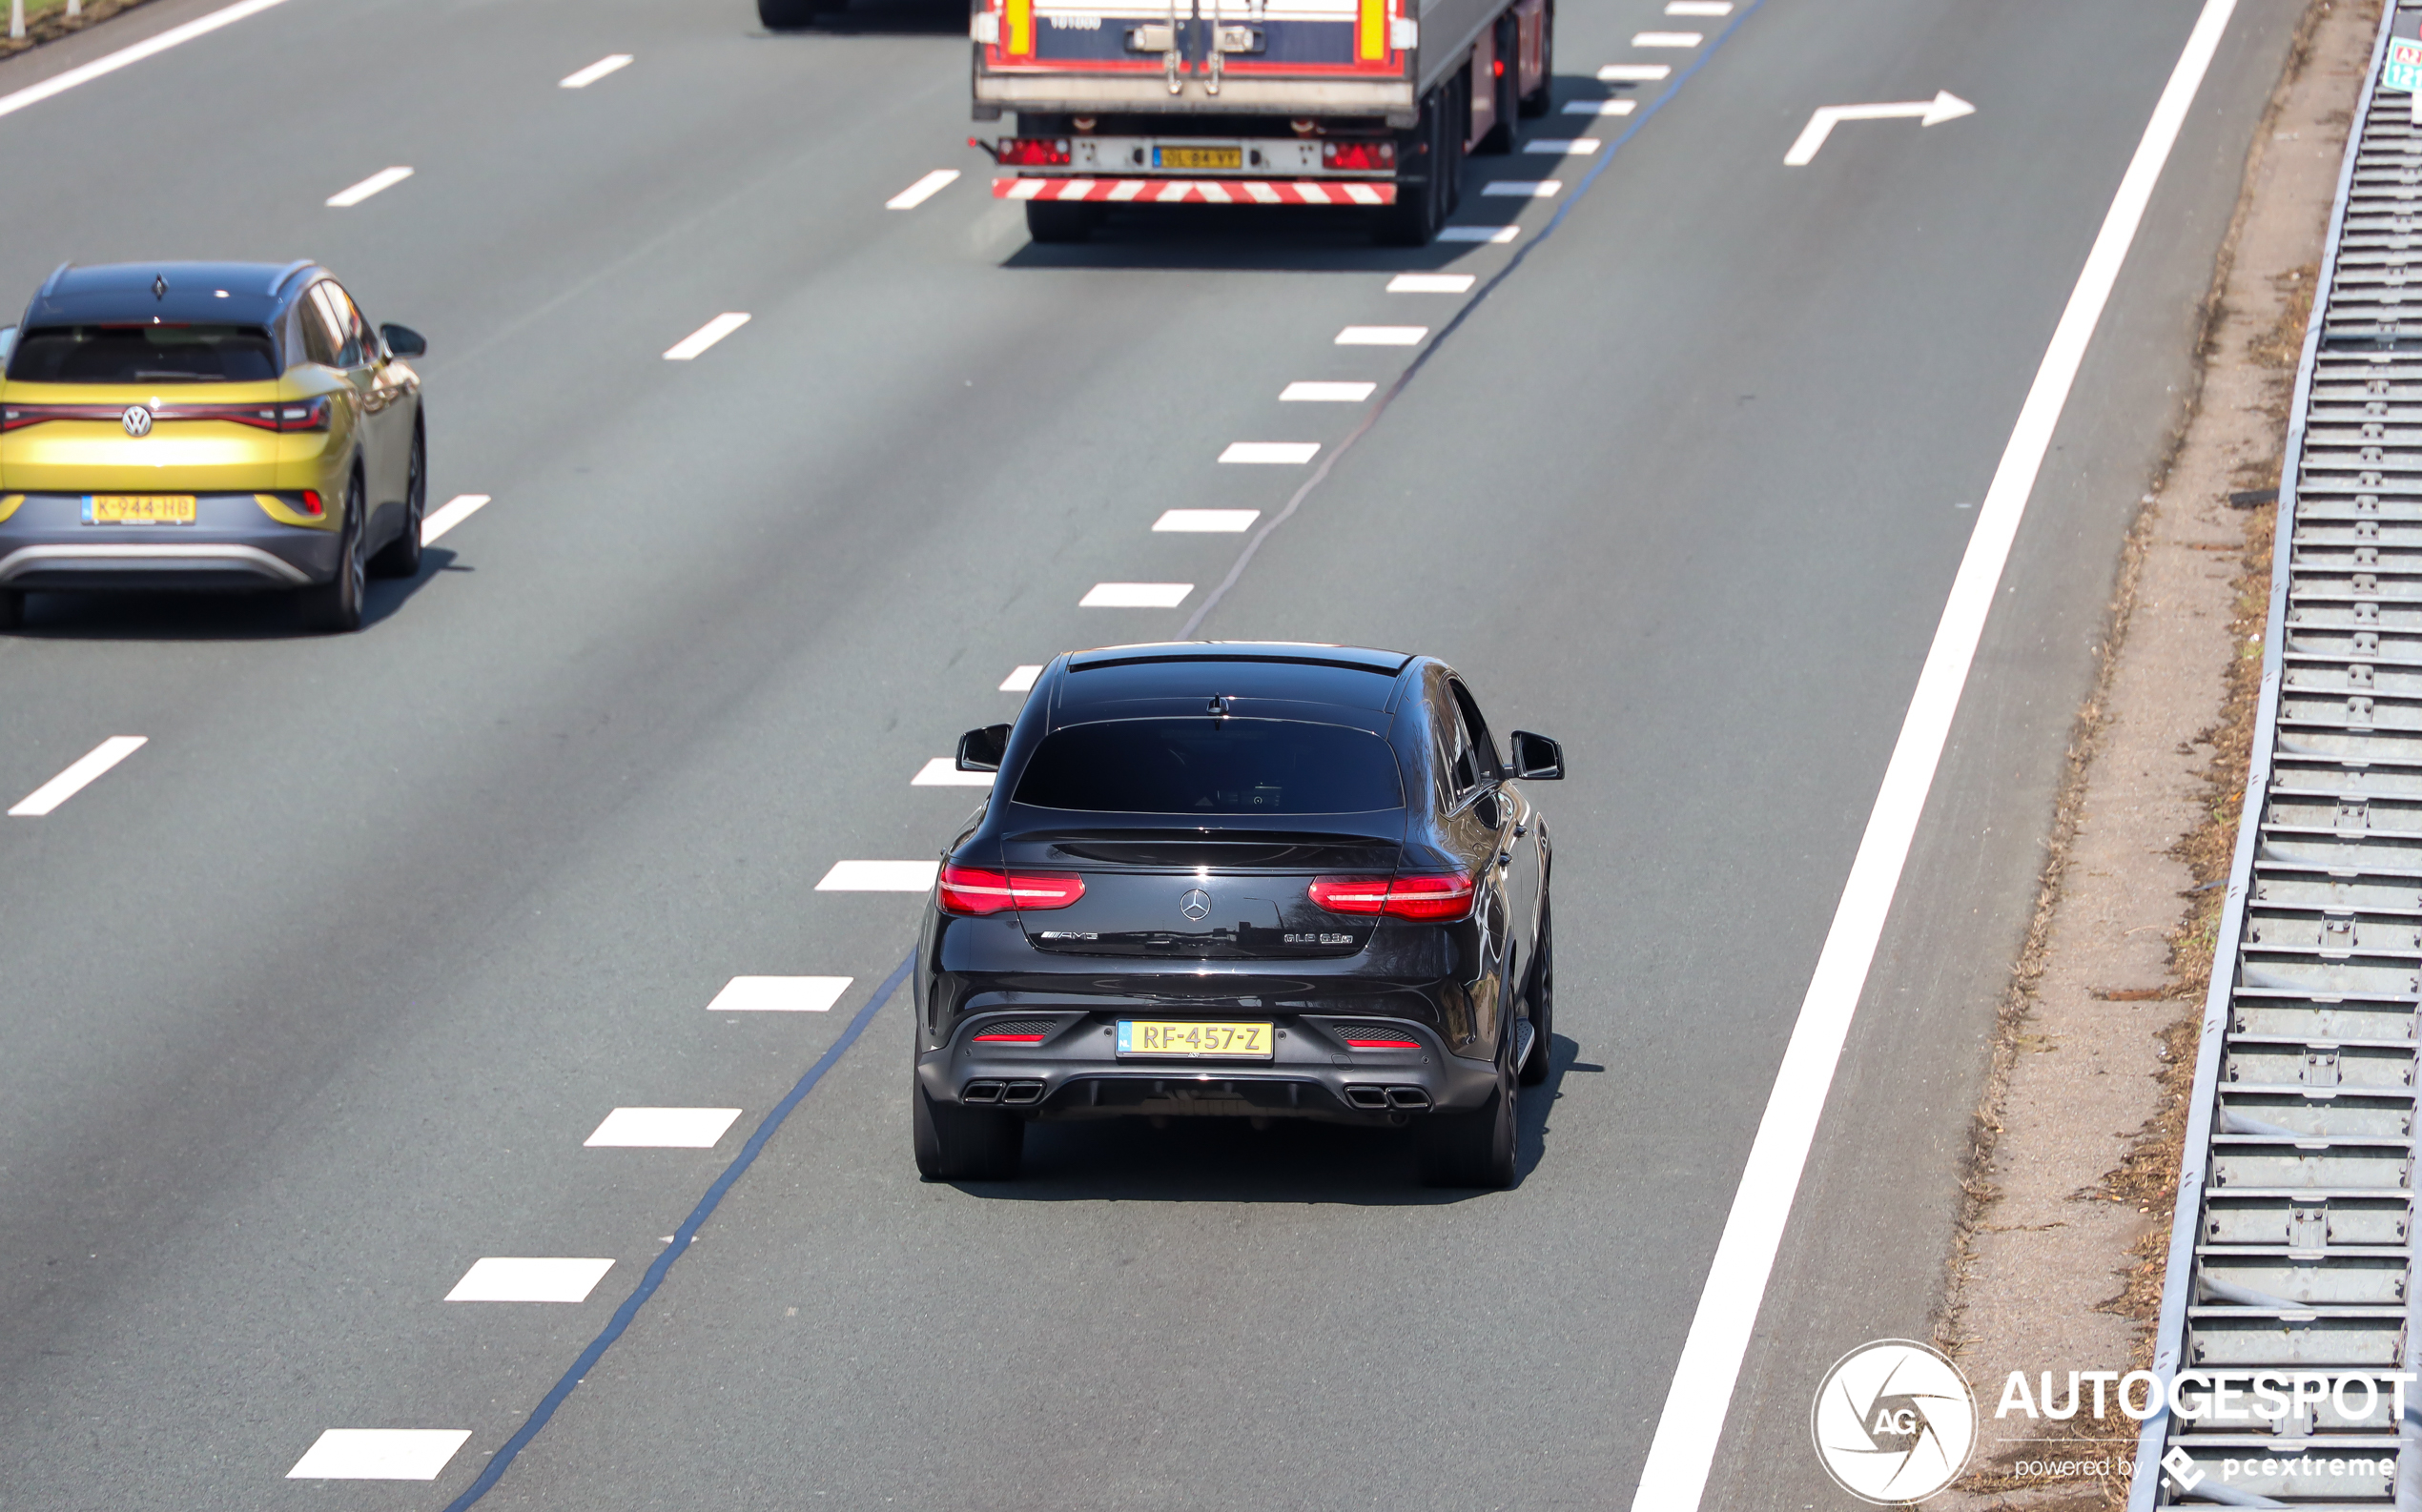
(311, 505)
(17, 417)
(310, 415)
(1358, 154)
(980, 890)
(1033, 151)
(1436, 898)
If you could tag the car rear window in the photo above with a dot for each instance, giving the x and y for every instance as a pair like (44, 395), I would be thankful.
(1211, 767)
(143, 353)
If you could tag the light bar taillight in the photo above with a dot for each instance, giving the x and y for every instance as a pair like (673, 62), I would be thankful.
(1033, 151)
(975, 890)
(1435, 898)
(1352, 155)
(300, 415)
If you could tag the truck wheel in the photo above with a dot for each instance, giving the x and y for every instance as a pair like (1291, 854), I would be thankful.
(1420, 208)
(1536, 103)
(1505, 89)
(1058, 223)
(782, 15)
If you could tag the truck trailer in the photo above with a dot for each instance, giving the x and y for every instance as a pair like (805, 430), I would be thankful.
(1371, 104)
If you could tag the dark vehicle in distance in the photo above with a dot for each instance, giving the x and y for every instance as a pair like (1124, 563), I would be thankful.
(1264, 881)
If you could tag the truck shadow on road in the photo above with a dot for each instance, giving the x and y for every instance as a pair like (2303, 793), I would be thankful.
(154, 617)
(1245, 239)
(1228, 1160)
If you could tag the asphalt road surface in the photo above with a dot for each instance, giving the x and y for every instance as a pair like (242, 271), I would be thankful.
(312, 1002)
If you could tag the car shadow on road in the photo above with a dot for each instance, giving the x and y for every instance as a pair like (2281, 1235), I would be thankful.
(209, 616)
(1228, 1160)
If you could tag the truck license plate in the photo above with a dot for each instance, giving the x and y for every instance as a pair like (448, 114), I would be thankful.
(1198, 157)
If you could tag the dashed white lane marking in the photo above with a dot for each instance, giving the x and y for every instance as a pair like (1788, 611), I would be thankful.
(1135, 596)
(1207, 521)
(1323, 393)
(779, 995)
(943, 772)
(1382, 335)
(378, 1454)
(111, 62)
(923, 189)
(661, 1128)
(612, 62)
(1020, 679)
(1499, 234)
(879, 876)
(72, 781)
(1525, 189)
(705, 337)
(1600, 107)
(1698, 8)
(517, 1279)
(1274, 453)
(1633, 73)
(1430, 283)
(450, 514)
(1563, 146)
(384, 178)
(1668, 39)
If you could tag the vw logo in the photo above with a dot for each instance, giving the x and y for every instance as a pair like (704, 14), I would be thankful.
(136, 420)
(1194, 903)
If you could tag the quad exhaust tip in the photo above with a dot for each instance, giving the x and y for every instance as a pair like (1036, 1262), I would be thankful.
(1007, 1093)
(1386, 1099)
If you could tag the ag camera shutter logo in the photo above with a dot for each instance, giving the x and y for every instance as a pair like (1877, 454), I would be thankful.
(1894, 1422)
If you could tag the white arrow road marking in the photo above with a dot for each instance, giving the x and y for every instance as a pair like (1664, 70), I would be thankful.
(1946, 106)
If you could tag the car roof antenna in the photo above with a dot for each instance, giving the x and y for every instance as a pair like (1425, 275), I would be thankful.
(1219, 702)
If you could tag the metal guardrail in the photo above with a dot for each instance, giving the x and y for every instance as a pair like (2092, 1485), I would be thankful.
(2292, 1249)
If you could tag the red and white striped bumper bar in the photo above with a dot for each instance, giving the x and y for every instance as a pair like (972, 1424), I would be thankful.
(1198, 191)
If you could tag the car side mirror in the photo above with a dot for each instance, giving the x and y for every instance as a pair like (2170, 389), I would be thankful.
(980, 750)
(403, 341)
(1537, 757)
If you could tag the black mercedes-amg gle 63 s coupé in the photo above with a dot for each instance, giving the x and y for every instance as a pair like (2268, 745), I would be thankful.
(1264, 881)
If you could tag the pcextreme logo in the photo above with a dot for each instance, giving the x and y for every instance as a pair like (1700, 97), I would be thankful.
(1894, 1422)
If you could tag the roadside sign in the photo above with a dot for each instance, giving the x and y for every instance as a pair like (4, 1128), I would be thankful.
(2404, 68)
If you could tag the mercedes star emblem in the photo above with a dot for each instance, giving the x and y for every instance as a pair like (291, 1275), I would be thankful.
(1194, 903)
(136, 420)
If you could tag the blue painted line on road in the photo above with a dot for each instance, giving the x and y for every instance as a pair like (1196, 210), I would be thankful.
(624, 1315)
(1371, 417)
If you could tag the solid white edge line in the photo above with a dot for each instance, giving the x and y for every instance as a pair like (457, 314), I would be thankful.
(1683, 1452)
(611, 63)
(78, 776)
(705, 337)
(385, 178)
(450, 514)
(923, 189)
(85, 74)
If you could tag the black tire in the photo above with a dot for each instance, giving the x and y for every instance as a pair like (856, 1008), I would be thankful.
(335, 607)
(401, 557)
(1543, 1001)
(1051, 221)
(1416, 215)
(1536, 103)
(12, 608)
(1505, 89)
(964, 1144)
(1474, 1149)
(782, 16)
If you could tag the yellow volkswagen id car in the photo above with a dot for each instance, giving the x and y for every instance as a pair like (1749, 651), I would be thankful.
(214, 426)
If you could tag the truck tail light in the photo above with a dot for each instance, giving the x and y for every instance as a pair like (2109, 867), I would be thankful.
(1430, 898)
(976, 891)
(1033, 151)
(1358, 154)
